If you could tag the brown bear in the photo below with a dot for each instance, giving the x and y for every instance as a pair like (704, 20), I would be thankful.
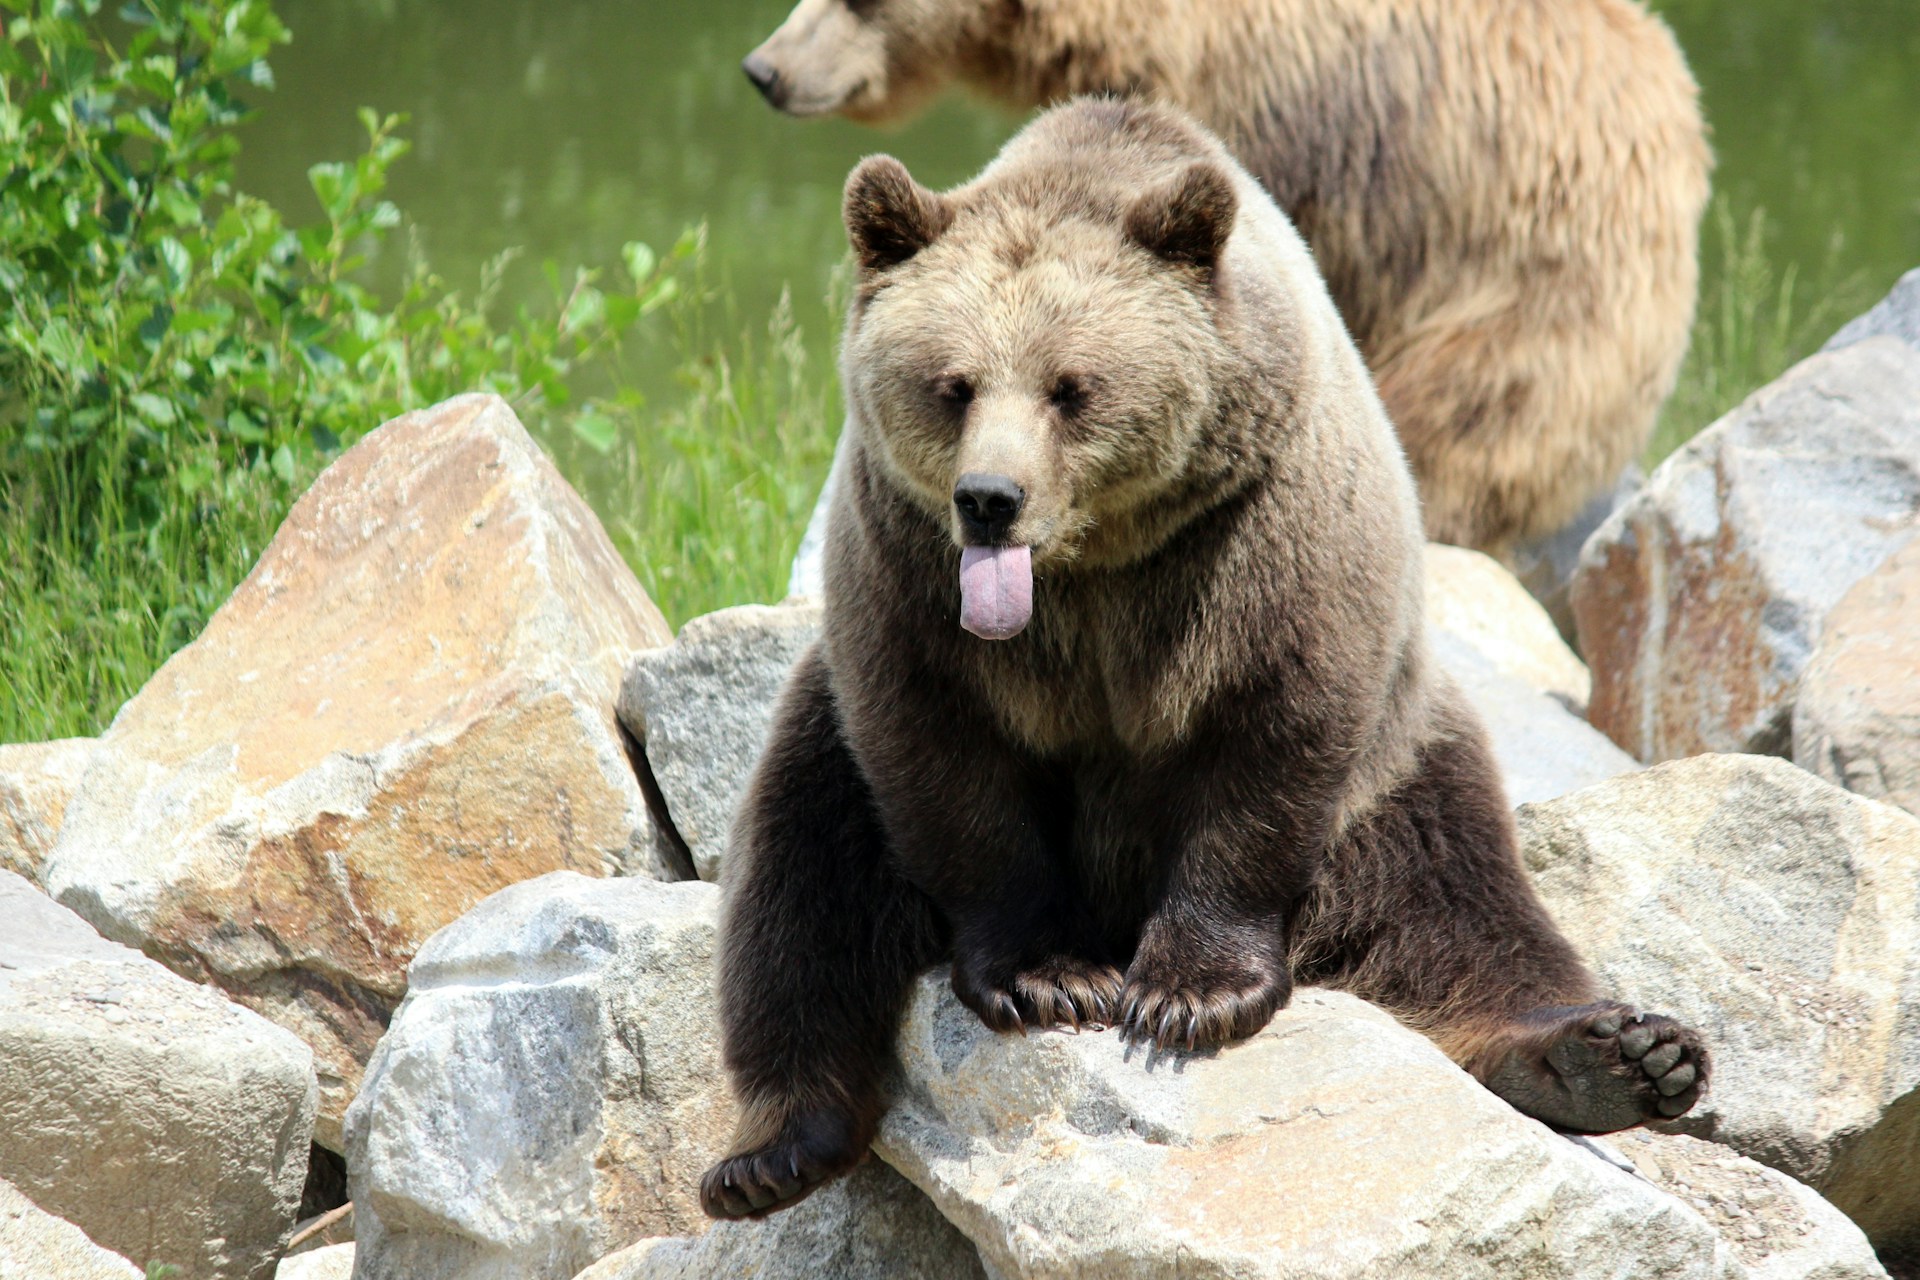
(1122, 703)
(1504, 196)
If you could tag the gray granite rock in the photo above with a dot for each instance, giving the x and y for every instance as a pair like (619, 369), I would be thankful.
(1897, 316)
(335, 1262)
(702, 707)
(1700, 602)
(1543, 749)
(1780, 916)
(1336, 1143)
(550, 1088)
(871, 1225)
(163, 1120)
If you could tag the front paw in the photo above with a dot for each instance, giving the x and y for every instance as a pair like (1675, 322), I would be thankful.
(1060, 991)
(1172, 1007)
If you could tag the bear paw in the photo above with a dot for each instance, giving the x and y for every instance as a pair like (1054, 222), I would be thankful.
(1190, 1015)
(1603, 1067)
(1057, 992)
(806, 1152)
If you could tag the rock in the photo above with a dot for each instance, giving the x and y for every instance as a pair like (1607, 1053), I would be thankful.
(1543, 749)
(1336, 1143)
(407, 705)
(1780, 1229)
(1545, 566)
(1856, 721)
(1781, 917)
(806, 577)
(36, 781)
(550, 1088)
(1897, 315)
(1700, 601)
(35, 1245)
(166, 1122)
(335, 1262)
(1471, 598)
(871, 1225)
(702, 708)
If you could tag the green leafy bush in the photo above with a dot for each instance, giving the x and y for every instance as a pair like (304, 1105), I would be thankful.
(177, 359)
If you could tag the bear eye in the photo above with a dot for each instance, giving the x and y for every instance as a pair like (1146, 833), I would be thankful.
(1069, 394)
(953, 390)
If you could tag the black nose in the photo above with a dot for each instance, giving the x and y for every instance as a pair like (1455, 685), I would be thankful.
(988, 505)
(761, 72)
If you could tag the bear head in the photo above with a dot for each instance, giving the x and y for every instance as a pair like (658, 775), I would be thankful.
(870, 60)
(1037, 360)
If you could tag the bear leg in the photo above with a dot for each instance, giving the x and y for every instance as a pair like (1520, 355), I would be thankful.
(821, 940)
(1426, 910)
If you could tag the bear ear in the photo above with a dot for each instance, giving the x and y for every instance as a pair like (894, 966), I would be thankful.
(1188, 220)
(890, 217)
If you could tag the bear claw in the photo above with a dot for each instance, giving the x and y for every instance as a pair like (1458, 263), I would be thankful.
(1062, 993)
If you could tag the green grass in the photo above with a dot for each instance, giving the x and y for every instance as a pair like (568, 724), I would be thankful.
(1755, 319)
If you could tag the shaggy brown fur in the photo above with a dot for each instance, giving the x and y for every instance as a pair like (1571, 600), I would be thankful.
(1503, 195)
(1216, 759)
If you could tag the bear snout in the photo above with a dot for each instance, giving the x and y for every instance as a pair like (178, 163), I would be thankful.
(987, 505)
(764, 77)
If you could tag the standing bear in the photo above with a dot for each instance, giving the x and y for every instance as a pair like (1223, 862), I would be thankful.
(1122, 703)
(1504, 196)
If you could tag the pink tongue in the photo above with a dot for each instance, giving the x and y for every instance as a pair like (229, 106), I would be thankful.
(996, 590)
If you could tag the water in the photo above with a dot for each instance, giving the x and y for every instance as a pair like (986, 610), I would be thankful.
(572, 126)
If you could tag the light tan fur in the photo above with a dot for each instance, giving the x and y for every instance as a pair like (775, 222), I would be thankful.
(1503, 195)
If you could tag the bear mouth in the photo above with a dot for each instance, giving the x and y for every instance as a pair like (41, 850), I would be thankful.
(996, 590)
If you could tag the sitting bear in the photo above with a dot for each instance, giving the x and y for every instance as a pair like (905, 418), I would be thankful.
(1122, 702)
(1504, 196)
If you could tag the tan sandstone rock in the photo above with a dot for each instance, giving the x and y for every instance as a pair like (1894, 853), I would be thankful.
(1336, 1143)
(36, 781)
(167, 1122)
(1780, 916)
(1700, 602)
(406, 706)
(35, 1245)
(1856, 722)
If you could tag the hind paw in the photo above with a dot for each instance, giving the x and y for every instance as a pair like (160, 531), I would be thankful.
(805, 1153)
(1598, 1068)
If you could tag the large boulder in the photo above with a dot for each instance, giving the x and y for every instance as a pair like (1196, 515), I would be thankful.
(1336, 1143)
(550, 1089)
(870, 1225)
(702, 707)
(1856, 721)
(1699, 603)
(407, 705)
(35, 1245)
(166, 1122)
(1781, 917)
(37, 779)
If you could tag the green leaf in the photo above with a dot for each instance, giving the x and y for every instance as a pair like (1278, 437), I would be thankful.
(598, 431)
(157, 410)
(640, 260)
(178, 261)
(283, 464)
